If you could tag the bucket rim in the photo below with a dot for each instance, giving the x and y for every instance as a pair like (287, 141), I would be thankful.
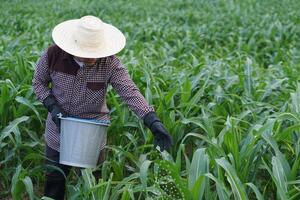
(75, 164)
(89, 121)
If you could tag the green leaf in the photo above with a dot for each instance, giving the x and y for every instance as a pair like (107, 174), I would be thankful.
(46, 198)
(126, 194)
(223, 193)
(107, 189)
(198, 188)
(89, 181)
(248, 85)
(17, 186)
(199, 166)
(280, 192)
(144, 171)
(29, 186)
(295, 96)
(256, 191)
(279, 173)
(232, 177)
(185, 90)
(12, 125)
(27, 103)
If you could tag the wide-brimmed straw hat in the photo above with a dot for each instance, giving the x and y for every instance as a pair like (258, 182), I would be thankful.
(88, 37)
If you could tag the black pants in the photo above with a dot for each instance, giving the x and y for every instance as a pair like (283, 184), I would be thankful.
(55, 180)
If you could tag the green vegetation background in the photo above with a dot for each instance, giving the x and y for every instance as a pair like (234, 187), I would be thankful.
(223, 75)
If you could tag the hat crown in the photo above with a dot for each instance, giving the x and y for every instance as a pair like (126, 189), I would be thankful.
(90, 33)
(91, 23)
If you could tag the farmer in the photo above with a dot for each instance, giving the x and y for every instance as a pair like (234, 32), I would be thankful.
(79, 66)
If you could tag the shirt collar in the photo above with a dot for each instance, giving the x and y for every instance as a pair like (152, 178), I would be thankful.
(81, 64)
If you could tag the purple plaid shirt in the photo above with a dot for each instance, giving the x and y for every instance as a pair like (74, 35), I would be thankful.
(81, 91)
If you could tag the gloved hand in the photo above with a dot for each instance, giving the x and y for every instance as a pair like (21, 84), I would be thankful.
(161, 136)
(55, 110)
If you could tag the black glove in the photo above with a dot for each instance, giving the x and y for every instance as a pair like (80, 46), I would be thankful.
(55, 110)
(161, 136)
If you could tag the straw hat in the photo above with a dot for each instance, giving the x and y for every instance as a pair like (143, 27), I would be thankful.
(88, 37)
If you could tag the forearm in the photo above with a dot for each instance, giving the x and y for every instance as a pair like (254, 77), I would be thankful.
(135, 100)
(127, 90)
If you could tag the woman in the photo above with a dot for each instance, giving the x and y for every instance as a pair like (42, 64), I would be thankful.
(80, 66)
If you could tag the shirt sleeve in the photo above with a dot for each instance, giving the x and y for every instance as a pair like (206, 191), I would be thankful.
(42, 78)
(127, 89)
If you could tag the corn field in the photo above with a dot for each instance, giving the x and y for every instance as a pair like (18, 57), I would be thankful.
(223, 76)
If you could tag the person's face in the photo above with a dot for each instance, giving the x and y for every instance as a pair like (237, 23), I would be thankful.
(86, 61)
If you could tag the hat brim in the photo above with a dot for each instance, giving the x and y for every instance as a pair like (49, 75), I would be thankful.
(62, 36)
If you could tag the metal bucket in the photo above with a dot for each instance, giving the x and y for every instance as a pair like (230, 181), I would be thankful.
(80, 141)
